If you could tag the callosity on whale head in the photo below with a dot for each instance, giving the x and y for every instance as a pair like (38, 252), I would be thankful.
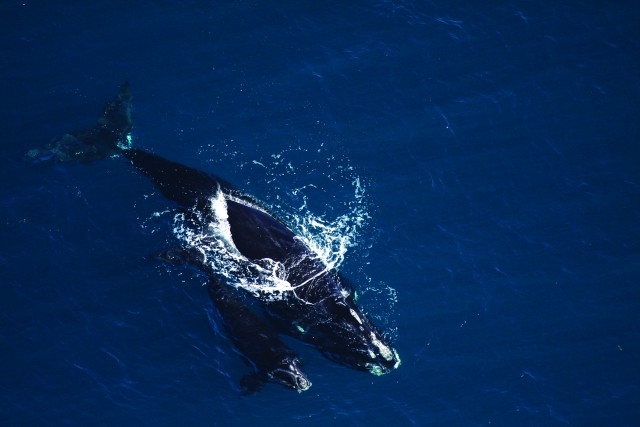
(290, 374)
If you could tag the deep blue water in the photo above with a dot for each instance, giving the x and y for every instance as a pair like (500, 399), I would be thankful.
(498, 145)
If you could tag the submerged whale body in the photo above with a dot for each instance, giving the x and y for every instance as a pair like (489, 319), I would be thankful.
(318, 307)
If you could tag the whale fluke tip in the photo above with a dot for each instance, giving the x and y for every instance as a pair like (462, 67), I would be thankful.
(108, 137)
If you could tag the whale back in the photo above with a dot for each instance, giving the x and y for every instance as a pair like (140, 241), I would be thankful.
(177, 182)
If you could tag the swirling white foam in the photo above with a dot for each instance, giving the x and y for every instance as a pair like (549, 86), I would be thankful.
(329, 238)
(211, 236)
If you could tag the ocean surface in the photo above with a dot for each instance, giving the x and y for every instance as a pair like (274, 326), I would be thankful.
(479, 159)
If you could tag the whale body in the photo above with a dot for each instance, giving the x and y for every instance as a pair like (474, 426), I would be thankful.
(318, 307)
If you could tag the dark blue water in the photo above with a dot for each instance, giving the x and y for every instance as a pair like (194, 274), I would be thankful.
(498, 146)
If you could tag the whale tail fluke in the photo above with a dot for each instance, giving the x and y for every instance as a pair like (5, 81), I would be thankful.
(108, 137)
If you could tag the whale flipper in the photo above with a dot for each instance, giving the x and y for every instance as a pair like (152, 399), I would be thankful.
(110, 135)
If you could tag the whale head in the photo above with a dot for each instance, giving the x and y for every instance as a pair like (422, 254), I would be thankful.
(289, 374)
(345, 335)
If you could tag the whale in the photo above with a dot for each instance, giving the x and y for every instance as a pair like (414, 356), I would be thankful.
(318, 307)
(253, 336)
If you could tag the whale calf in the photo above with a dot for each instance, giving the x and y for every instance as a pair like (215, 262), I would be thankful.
(254, 337)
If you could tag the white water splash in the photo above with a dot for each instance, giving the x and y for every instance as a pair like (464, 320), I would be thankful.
(330, 239)
(211, 236)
